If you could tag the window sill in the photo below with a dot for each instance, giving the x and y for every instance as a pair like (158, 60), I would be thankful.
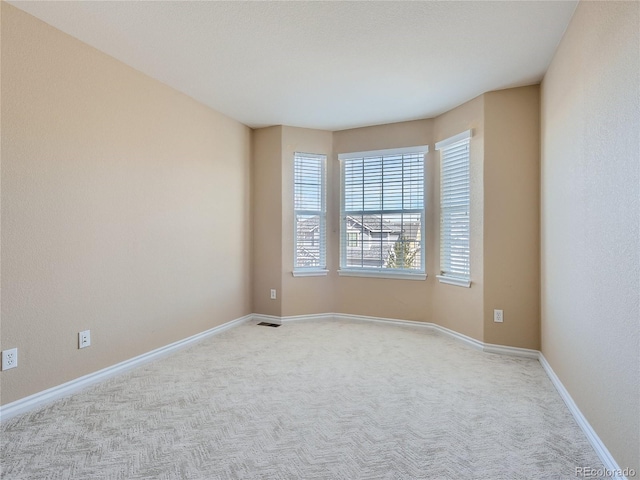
(459, 282)
(310, 273)
(379, 274)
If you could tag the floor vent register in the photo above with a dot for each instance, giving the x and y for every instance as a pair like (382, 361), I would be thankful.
(267, 324)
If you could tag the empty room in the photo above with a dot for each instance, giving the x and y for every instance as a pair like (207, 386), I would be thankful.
(320, 240)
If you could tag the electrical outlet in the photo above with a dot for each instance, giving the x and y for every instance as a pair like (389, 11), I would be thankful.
(84, 339)
(498, 316)
(273, 294)
(9, 358)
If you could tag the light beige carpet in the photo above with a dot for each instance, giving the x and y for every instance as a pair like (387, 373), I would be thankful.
(312, 400)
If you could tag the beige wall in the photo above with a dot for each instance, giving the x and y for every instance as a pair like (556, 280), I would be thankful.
(379, 297)
(273, 221)
(304, 295)
(590, 215)
(266, 202)
(453, 307)
(511, 220)
(125, 210)
(512, 272)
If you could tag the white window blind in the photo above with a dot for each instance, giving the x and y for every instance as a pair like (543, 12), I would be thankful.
(310, 211)
(382, 211)
(454, 209)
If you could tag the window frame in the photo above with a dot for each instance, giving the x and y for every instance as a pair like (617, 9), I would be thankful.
(319, 270)
(382, 272)
(460, 280)
(352, 239)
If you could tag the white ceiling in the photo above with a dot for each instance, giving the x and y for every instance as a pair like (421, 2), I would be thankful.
(327, 65)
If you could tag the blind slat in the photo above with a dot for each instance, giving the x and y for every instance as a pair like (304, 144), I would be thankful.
(454, 210)
(310, 210)
(382, 211)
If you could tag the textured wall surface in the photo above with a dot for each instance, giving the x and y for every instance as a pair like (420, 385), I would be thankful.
(590, 220)
(457, 308)
(125, 209)
(513, 212)
(512, 216)
(266, 214)
(404, 299)
(304, 295)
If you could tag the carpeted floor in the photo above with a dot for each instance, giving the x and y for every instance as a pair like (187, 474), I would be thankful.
(308, 400)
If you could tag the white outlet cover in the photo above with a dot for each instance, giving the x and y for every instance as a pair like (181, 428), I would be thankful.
(498, 316)
(84, 339)
(9, 358)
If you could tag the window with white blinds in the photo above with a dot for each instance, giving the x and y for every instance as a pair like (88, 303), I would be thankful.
(454, 210)
(310, 212)
(382, 213)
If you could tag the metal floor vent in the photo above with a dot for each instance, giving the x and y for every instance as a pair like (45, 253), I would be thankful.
(267, 324)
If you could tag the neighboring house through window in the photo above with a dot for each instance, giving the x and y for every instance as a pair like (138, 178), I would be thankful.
(310, 173)
(382, 213)
(454, 210)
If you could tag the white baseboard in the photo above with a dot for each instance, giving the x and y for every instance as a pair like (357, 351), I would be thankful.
(314, 316)
(430, 326)
(393, 321)
(32, 401)
(513, 351)
(28, 403)
(258, 317)
(605, 456)
(472, 342)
